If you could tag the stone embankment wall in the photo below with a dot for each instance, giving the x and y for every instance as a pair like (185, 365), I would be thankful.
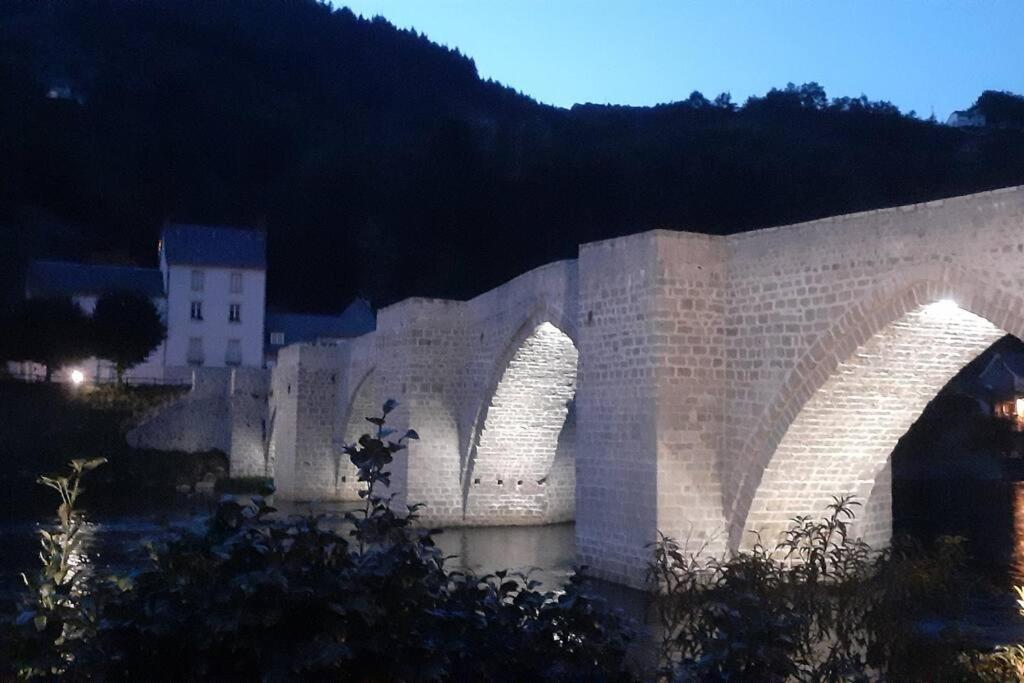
(225, 410)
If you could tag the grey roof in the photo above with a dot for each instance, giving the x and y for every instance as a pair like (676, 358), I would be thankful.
(357, 319)
(62, 278)
(206, 245)
(1002, 375)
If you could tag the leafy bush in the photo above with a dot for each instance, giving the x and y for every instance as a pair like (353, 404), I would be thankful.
(261, 598)
(819, 606)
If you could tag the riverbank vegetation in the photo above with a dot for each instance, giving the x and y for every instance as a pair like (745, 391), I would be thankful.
(124, 328)
(819, 605)
(42, 425)
(257, 599)
(257, 596)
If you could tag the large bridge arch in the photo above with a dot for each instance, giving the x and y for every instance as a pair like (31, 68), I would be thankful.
(833, 424)
(519, 465)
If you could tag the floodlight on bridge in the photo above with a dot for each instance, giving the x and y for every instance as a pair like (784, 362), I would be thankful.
(945, 307)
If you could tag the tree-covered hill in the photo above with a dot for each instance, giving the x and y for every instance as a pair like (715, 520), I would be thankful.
(380, 163)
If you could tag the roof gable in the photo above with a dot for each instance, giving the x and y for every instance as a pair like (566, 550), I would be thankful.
(357, 319)
(205, 245)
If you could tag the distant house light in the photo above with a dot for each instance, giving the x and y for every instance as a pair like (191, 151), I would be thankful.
(1019, 407)
(77, 377)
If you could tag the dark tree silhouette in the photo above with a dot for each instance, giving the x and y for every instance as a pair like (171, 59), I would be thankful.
(49, 331)
(348, 138)
(126, 328)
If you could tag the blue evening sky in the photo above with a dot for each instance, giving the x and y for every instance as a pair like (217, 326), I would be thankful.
(925, 55)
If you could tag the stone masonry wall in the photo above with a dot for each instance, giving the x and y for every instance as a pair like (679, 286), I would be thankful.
(306, 459)
(510, 468)
(842, 438)
(616, 418)
(225, 410)
(803, 299)
(721, 381)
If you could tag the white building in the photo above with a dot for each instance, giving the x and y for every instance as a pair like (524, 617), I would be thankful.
(215, 282)
(210, 289)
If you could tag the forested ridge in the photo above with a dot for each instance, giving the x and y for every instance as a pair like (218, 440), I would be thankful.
(379, 163)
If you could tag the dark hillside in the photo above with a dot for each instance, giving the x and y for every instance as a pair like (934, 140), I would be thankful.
(380, 163)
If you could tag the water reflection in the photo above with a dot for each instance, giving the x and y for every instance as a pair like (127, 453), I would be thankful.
(547, 553)
(1016, 565)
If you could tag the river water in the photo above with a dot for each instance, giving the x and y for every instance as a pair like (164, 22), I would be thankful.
(113, 543)
(990, 514)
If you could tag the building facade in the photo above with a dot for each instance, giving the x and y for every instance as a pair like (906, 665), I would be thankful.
(215, 283)
(210, 290)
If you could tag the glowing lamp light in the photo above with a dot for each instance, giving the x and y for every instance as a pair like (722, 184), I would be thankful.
(77, 377)
(1019, 407)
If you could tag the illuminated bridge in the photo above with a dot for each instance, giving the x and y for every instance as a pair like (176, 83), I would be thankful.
(698, 385)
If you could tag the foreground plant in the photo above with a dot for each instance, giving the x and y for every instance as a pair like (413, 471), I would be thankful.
(58, 610)
(261, 598)
(819, 605)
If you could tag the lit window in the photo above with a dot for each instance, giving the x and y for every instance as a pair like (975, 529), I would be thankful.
(1019, 405)
(233, 354)
(195, 351)
(277, 338)
(196, 312)
(198, 278)
(235, 313)
(236, 283)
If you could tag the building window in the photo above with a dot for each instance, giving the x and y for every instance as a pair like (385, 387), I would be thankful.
(236, 283)
(235, 313)
(198, 278)
(233, 355)
(195, 351)
(196, 312)
(277, 338)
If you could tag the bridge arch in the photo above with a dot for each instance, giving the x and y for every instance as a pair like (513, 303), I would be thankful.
(519, 467)
(364, 401)
(855, 392)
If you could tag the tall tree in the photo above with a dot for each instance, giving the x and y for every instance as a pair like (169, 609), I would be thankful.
(126, 328)
(49, 331)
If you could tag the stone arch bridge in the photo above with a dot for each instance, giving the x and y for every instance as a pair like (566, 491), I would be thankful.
(698, 385)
